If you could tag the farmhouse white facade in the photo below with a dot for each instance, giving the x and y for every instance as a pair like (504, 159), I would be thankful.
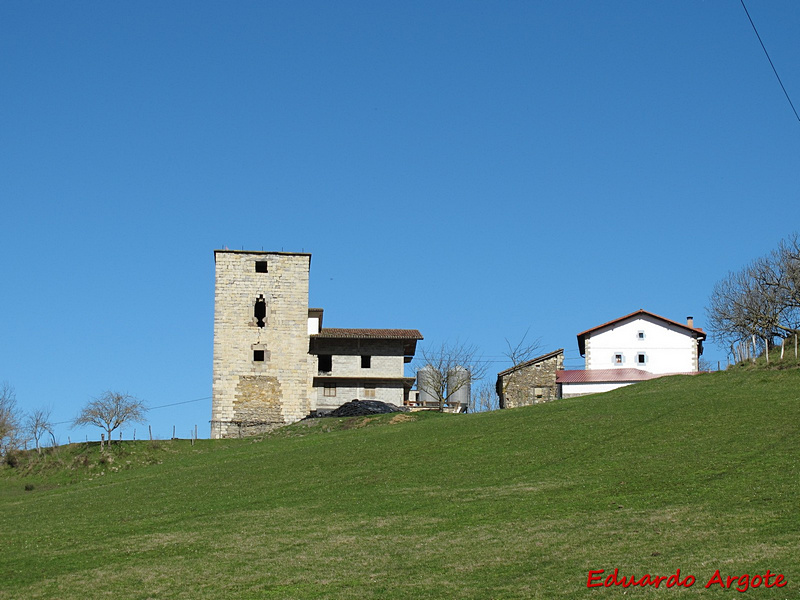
(636, 347)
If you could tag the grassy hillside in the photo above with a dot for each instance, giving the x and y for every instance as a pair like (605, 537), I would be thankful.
(696, 473)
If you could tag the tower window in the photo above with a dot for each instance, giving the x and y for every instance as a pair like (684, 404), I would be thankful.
(366, 362)
(261, 266)
(260, 311)
(258, 355)
(369, 391)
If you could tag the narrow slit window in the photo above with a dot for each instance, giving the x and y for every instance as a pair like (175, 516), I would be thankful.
(261, 266)
(260, 311)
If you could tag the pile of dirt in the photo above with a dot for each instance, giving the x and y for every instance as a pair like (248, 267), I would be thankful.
(360, 408)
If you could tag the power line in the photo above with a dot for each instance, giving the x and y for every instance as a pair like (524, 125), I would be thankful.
(154, 407)
(774, 70)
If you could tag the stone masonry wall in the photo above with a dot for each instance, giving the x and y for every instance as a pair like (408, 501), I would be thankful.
(250, 395)
(532, 384)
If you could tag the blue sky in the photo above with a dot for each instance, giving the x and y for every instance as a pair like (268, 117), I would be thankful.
(469, 169)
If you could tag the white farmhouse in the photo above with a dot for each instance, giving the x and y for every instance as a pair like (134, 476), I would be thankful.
(636, 347)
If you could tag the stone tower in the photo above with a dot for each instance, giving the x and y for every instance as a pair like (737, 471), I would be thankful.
(262, 371)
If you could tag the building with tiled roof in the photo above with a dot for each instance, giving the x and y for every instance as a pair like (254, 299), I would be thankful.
(635, 347)
(530, 382)
(274, 363)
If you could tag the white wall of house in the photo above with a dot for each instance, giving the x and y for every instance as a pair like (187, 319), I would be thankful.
(571, 390)
(313, 325)
(642, 343)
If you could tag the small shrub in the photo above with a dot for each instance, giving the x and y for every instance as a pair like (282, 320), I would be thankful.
(29, 487)
(12, 459)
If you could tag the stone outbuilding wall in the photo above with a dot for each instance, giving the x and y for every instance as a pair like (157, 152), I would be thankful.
(531, 382)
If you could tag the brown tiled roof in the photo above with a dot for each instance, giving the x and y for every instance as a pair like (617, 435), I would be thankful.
(532, 361)
(369, 334)
(698, 333)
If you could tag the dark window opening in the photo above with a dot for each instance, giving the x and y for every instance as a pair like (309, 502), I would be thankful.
(618, 359)
(641, 359)
(258, 355)
(261, 266)
(366, 362)
(325, 362)
(260, 311)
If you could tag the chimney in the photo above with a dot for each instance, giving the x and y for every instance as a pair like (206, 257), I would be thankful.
(690, 322)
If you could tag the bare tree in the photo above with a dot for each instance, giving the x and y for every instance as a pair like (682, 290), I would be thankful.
(522, 352)
(761, 300)
(483, 398)
(449, 368)
(110, 411)
(37, 424)
(10, 430)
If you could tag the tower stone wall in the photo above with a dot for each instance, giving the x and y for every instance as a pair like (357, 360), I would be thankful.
(262, 372)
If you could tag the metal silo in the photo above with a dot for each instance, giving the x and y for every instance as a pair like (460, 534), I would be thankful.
(426, 385)
(458, 379)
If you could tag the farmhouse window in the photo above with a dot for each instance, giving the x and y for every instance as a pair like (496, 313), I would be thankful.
(366, 362)
(369, 391)
(640, 335)
(325, 363)
(641, 358)
(618, 358)
(329, 390)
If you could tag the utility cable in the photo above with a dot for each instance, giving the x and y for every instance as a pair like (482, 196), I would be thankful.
(774, 70)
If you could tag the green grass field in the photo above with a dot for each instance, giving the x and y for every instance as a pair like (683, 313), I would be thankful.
(692, 473)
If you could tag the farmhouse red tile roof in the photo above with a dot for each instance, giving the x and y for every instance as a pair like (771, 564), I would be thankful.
(698, 333)
(372, 334)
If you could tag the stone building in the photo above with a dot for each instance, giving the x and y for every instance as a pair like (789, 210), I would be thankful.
(531, 382)
(364, 364)
(274, 363)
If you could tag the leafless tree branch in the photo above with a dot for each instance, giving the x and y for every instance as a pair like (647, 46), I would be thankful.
(110, 411)
(449, 368)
